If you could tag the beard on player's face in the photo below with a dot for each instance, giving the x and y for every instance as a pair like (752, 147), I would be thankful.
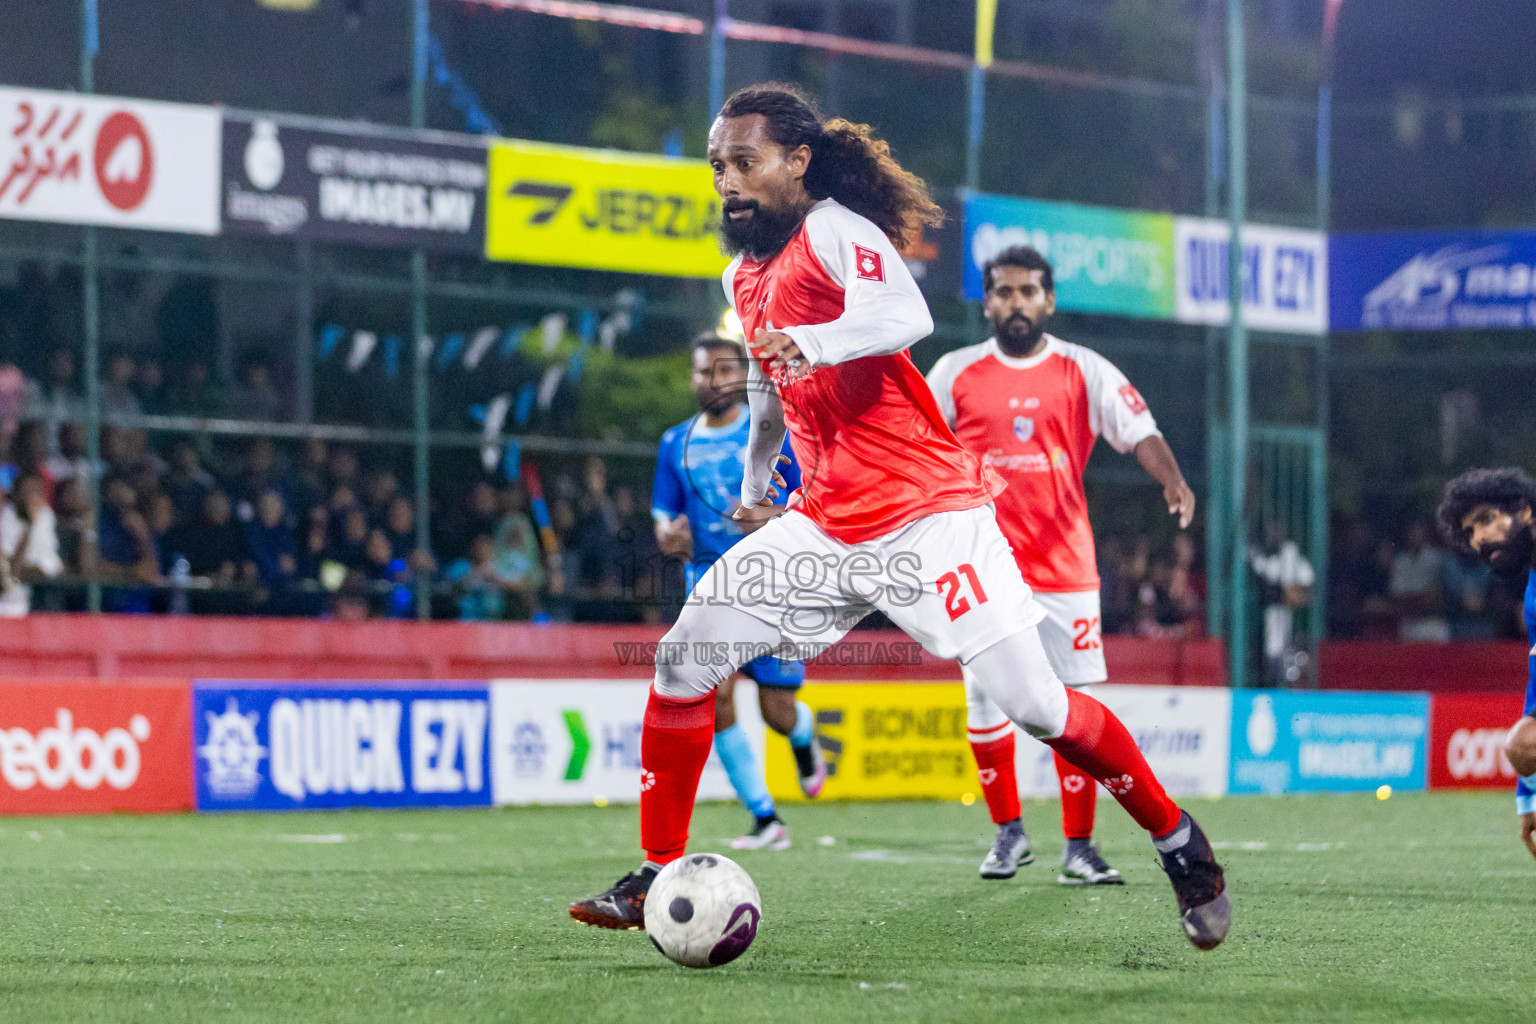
(760, 233)
(719, 401)
(1514, 553)
(1018, 333)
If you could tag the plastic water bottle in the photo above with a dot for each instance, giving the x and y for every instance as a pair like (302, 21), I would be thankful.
(181, 573)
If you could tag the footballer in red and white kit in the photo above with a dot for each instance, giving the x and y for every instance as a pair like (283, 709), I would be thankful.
(893, 513)
(1032, 406)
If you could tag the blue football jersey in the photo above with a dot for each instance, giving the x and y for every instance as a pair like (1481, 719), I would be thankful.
(698, 474)
(1525, 789)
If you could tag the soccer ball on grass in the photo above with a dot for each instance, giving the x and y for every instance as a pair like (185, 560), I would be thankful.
(702, 910)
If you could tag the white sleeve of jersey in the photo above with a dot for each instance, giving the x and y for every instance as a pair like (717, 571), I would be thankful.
(1116, 410)
(728, 281)
(765, 437)
(941, 379)
(883, 312)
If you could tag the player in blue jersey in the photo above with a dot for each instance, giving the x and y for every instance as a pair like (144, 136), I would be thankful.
(698, 486)
(1489, 513)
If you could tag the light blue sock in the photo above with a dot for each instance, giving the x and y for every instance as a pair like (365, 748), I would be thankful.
(735, 752)
(805, 726)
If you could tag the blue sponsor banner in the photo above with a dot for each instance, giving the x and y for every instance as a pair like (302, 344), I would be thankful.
(283, 747)
(1432, 280)
(1285, 741)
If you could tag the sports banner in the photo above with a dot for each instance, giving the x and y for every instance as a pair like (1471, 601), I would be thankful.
(1284, 275)
(286, 746)
(75, 159)
(602, 210)
(1286, 741)
(1103, 260)
(86, 746)
(1433, 280)
(559, 741)
(1184, 732)
(1466, 740)
(358, 186)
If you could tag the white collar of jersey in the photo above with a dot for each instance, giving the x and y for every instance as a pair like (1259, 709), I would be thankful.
(702, 429)
(1026, 362)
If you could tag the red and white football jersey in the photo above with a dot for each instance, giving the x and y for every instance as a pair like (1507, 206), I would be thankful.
(874, 450)
(1035, 420)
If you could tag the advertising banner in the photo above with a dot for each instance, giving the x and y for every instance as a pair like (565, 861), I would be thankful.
(559, 741)
(361, 187)
(284, 747)
(1284, 275)
(1184, 731)
(884, 741)
(82, 746)
(1433, 280)
(1103, 260)
(1466, 740)
(602, 210)
(76, 159)
(1294, 742)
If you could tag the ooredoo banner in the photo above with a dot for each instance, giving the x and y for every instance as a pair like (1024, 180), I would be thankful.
(82, 746)
(359, 186)
(77, 159)
(1466, 740)
(284, 746)
(558, 741)
(1287, 741)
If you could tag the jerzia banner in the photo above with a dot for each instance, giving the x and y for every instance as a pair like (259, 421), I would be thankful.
(362, 187)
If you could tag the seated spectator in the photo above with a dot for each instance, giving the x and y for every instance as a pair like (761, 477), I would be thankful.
(316, 541)
(187, 483)
(30, 454)
(1414, 587)
(379, 490)
(479, 514)
(1184, 589)
(29, 545)
(478, 586)
(1466, 583)
(149, 382)
(130, 562)
(212, 543)
(191, 394)
(73, 524)
(160, 512)
(343, 468)
(307, 487)
(71, 463)
(255, 397)
(58, 398)
(391, 575)
(117, 397)
(258, 475)
(350, 547)
(273, 547)
(400, 528)
(350, 601)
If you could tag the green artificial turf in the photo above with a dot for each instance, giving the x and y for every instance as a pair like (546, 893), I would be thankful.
(1419, 908)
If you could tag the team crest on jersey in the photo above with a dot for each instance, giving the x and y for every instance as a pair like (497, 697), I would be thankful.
(871, 267)
(1023, 428)
(1133, 399)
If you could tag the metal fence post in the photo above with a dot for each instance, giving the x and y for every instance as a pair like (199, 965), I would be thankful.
(419, 363)
(90, 45)
(1237, 342)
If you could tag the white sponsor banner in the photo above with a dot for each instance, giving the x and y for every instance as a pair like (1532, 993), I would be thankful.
(1184, 731)
(1285, 275)
(558, 741)
(76, 159)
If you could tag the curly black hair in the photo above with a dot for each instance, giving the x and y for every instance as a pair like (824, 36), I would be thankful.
(849, 163)
(1508, 489)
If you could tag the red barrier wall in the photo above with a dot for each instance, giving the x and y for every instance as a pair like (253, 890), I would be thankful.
(125, 646)
(1491, 667)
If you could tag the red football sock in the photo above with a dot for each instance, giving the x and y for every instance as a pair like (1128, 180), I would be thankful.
(999, 782)
(1079, 799)
(1098, 743)
(674, 744)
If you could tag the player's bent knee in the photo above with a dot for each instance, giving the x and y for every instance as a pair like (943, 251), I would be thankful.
(1016, 675)
(1520, 747)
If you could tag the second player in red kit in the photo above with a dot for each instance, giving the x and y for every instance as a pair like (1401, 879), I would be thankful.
(893, 515)
(1032, 406)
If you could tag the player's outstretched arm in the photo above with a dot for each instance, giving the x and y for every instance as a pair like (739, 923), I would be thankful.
(1158, 460)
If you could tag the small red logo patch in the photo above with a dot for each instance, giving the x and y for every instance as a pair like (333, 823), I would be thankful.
(869, 264)
(1133, 399)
